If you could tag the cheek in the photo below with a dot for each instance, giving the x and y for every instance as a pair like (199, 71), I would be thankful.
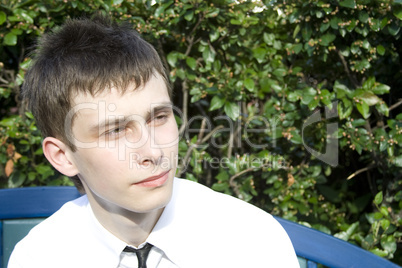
(167, 136)
(97, 163)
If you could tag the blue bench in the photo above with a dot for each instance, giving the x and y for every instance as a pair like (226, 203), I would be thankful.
(23, 208)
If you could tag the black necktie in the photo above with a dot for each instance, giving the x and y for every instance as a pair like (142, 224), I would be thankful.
(142, 254)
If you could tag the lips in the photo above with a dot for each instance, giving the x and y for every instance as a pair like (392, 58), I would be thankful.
(154, 181)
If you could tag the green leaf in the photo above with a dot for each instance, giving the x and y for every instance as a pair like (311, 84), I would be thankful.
(26, 17)
(381, 89)
(369, 98)
(280, 72)
(308, 95)
(296, 31)
(384, 211)
(324, 27)
(212, 13)
(348, 233)
(313, 104)
(363, 16)
(363, 109)
(306, 32)
(380, 50)
(159, 11)
(10, 39)
(297, 48)
(209, 55)
(216, 103)
(214, 35)
(327, 39)
(191, 62)
(235, 22)
(393, 28)
(375, 25)
(379, 252)
(259, 53)
(348, 4)
(172, 58)
(3, 17)
(382, 108)
(378, 198)
(293, 96)
(385, 224)
(335, 22)
(232, 110)
(388, 243)
(345, 108)
(390, 151)
(269, 38)
(189, 15)
(397, 12)
(398, 161)
(16, 179)
(249, 84)
(341, 90)
(29, 115)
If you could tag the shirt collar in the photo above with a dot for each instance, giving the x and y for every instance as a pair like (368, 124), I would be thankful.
(165, 233)
(163, 236)
(109, 246)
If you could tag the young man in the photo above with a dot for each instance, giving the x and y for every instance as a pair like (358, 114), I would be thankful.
(101, 98)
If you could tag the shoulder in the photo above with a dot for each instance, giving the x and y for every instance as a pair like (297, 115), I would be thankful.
(200, 198)
(231, 227)
(63, 227)
(71, 213)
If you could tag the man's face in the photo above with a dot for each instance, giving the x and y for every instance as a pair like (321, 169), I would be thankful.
(127, 147)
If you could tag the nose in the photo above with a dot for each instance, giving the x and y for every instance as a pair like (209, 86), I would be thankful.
(150, 152)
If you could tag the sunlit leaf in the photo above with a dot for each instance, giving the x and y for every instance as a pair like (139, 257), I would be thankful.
(216, 103)
(10, 39)
(3, 17)
(232, 110)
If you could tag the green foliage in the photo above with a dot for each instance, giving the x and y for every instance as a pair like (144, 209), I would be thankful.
(248, 76)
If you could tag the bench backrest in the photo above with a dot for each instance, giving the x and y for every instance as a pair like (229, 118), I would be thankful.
(23, 208)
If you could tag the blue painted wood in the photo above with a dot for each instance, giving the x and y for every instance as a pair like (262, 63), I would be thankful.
(34, 202)
(302, 262)
(330, 251)
(1, 243)
(311, 264)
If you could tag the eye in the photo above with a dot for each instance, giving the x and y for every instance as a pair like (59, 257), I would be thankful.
(159, 119)
(115, 131)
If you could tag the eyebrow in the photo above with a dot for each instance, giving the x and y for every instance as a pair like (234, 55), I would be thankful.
(122, 120)
(164, 106)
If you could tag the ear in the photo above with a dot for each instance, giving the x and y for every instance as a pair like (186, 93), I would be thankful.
(59, 155)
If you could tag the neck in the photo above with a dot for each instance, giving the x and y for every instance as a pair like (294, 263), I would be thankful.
(130, 227)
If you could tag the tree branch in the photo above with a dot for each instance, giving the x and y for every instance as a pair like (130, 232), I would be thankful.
(346, 68)
(235, 186)
(186, 158)
(361, 171)
(395, 105)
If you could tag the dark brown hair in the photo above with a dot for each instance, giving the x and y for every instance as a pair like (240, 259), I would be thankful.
(85, 56)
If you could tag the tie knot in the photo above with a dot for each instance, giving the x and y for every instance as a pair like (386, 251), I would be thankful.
(142, 254)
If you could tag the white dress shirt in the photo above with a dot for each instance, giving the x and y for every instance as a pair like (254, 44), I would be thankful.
(199, 228)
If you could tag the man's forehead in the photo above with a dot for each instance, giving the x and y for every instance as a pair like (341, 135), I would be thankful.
(111, 93)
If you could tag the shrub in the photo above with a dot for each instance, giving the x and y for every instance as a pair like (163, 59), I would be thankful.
(290, 105)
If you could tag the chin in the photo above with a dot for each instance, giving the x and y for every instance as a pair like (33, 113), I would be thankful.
(156, 200)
